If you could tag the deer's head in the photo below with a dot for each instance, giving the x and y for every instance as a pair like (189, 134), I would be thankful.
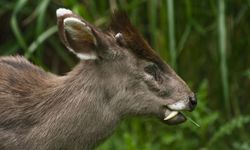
(138, 80)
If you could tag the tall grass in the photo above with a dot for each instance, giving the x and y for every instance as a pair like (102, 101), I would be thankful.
(152, 17)
(171, 31)
(14, 24)
(208, 40)
(223, 55)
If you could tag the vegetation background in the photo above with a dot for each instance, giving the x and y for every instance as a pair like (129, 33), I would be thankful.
(206, 41)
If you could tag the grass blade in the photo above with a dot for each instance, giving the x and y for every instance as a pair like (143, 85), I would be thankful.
(14, 24)
(40, 40)
(222, 50)
(152, 8)
(171, 33)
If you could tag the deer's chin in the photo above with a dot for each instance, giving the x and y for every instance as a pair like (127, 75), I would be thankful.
(173, 117)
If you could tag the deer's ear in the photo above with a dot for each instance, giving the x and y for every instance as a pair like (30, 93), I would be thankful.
(77, 35)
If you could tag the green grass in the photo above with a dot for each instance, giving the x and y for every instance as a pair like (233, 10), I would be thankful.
(171, 31)
(223, 55)
(208, 41)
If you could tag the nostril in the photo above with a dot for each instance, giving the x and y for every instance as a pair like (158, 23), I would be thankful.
(193, 100)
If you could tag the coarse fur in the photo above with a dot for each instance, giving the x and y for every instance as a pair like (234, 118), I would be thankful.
(43, 111)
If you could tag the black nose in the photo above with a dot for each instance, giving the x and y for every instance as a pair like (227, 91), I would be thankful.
(192, 102)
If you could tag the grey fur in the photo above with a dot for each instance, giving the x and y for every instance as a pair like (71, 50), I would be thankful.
(43, 111)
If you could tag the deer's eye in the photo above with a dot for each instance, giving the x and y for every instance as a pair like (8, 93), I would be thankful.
(154, 71)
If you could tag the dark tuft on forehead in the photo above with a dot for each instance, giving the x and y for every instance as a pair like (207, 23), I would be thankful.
(120, 23)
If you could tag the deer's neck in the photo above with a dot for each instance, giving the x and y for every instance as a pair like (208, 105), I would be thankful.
(80, 114)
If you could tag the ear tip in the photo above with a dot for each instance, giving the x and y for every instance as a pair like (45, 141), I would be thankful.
(62, 11)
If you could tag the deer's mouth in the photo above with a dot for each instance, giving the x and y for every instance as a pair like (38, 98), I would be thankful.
(172, 114)
(174, 117)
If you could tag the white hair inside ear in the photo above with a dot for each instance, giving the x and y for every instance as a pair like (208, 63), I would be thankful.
(86, 56)
(75, 27)
(68, 22)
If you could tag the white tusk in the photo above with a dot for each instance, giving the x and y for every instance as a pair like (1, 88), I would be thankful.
(171, 115)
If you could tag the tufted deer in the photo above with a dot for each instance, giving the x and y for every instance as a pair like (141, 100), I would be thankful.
(119, 75)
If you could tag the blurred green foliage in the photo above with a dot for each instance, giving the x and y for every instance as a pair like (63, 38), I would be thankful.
(207, 42)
